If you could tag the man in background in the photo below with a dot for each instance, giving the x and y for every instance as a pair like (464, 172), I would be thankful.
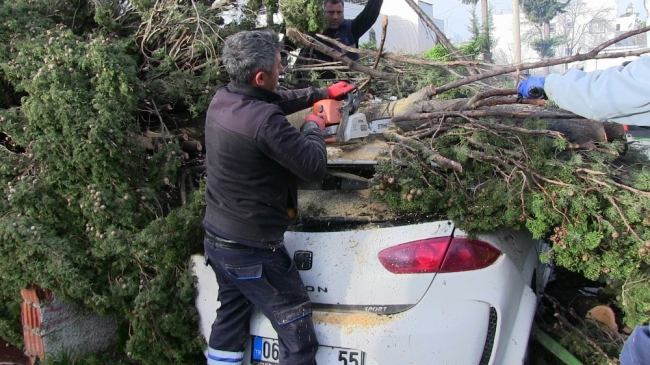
(346, 31)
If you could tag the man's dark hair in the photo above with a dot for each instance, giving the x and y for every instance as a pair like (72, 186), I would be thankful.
(247, 52)
(334, 2)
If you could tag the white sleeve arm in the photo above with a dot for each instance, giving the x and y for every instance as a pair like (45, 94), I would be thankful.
(618, 94)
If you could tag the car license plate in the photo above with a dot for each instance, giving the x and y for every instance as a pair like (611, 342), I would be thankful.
(266, 351)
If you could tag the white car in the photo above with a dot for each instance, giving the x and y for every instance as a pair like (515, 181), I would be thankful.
(399, 293)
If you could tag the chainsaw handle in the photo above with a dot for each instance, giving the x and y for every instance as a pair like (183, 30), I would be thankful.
(353, 99)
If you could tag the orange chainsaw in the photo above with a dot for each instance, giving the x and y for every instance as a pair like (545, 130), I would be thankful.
(340, 118)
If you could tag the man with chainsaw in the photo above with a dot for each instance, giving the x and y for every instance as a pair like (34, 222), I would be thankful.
(618, 94)
(346, 31)
(254, 158)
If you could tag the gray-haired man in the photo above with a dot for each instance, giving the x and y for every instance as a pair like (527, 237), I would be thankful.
(254, 159)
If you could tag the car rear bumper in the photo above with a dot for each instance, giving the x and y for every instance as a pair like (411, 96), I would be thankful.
(450, 325)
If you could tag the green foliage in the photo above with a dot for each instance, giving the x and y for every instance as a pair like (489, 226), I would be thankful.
(546, 47)
(634, 295)
(481, 39)
(421, 78)
(85, 211)
(368, 45)
(474, 26)
(590, 204)
(438, 53)
(471, 49)
(305, 15)
(438, 75)
(575, 343)
(543, 11)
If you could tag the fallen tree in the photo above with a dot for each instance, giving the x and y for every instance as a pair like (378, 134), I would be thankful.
(101, 162)
(491, 160)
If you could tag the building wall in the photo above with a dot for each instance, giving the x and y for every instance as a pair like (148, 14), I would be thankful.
(503, 52)
(52, 327)
(406, 33)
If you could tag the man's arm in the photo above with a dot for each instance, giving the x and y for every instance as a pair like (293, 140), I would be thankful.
(299, 99)
(366, 18)
(302, 153)
(619, 94)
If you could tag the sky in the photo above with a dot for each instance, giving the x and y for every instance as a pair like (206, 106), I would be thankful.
(456, 15)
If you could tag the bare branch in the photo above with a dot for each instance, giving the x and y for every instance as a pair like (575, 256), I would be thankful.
(396, 57)
(488, 113)
(352, 65)
(593, 54)
(391, 135)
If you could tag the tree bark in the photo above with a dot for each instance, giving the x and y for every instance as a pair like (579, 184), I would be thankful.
(547, 36)
(487, 55)
(415, 110)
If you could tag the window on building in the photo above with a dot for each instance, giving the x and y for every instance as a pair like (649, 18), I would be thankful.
(597, 27)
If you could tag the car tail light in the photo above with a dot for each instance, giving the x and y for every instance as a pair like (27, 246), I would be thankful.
(444, 254)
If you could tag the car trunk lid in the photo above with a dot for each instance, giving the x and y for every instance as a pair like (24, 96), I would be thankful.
(341, 269)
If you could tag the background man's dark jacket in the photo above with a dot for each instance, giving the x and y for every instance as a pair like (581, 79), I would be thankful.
(254, 157)
(348, 33)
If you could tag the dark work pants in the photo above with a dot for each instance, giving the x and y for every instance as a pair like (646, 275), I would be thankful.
(268, 280)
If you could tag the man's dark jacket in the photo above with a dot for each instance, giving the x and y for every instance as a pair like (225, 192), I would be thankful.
(254, 157)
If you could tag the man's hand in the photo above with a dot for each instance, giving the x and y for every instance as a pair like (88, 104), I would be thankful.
(338, 90)
(312, 122)
(532, 88)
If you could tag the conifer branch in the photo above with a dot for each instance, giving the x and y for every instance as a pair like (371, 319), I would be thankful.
(624, 218)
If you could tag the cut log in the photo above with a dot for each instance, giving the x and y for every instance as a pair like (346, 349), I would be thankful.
(192, 147)
(178, 137)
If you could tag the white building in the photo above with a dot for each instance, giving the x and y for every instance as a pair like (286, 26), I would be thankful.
(406, 32)
(623, 23)
(503, 50)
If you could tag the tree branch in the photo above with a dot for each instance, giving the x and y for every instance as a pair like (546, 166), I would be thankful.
(391, 135)
(487, 113)
(593, 54)
(384, 26)
(393, 56)
(352, 65)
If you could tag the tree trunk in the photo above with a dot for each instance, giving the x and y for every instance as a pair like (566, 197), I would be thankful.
(487, 54)
(547, 36)
(576, 130)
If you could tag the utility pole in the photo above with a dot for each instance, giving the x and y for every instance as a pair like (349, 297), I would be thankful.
(646, 5)
(516, 39)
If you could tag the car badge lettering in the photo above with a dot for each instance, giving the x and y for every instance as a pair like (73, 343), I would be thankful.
(375, 309)
(318, 289)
